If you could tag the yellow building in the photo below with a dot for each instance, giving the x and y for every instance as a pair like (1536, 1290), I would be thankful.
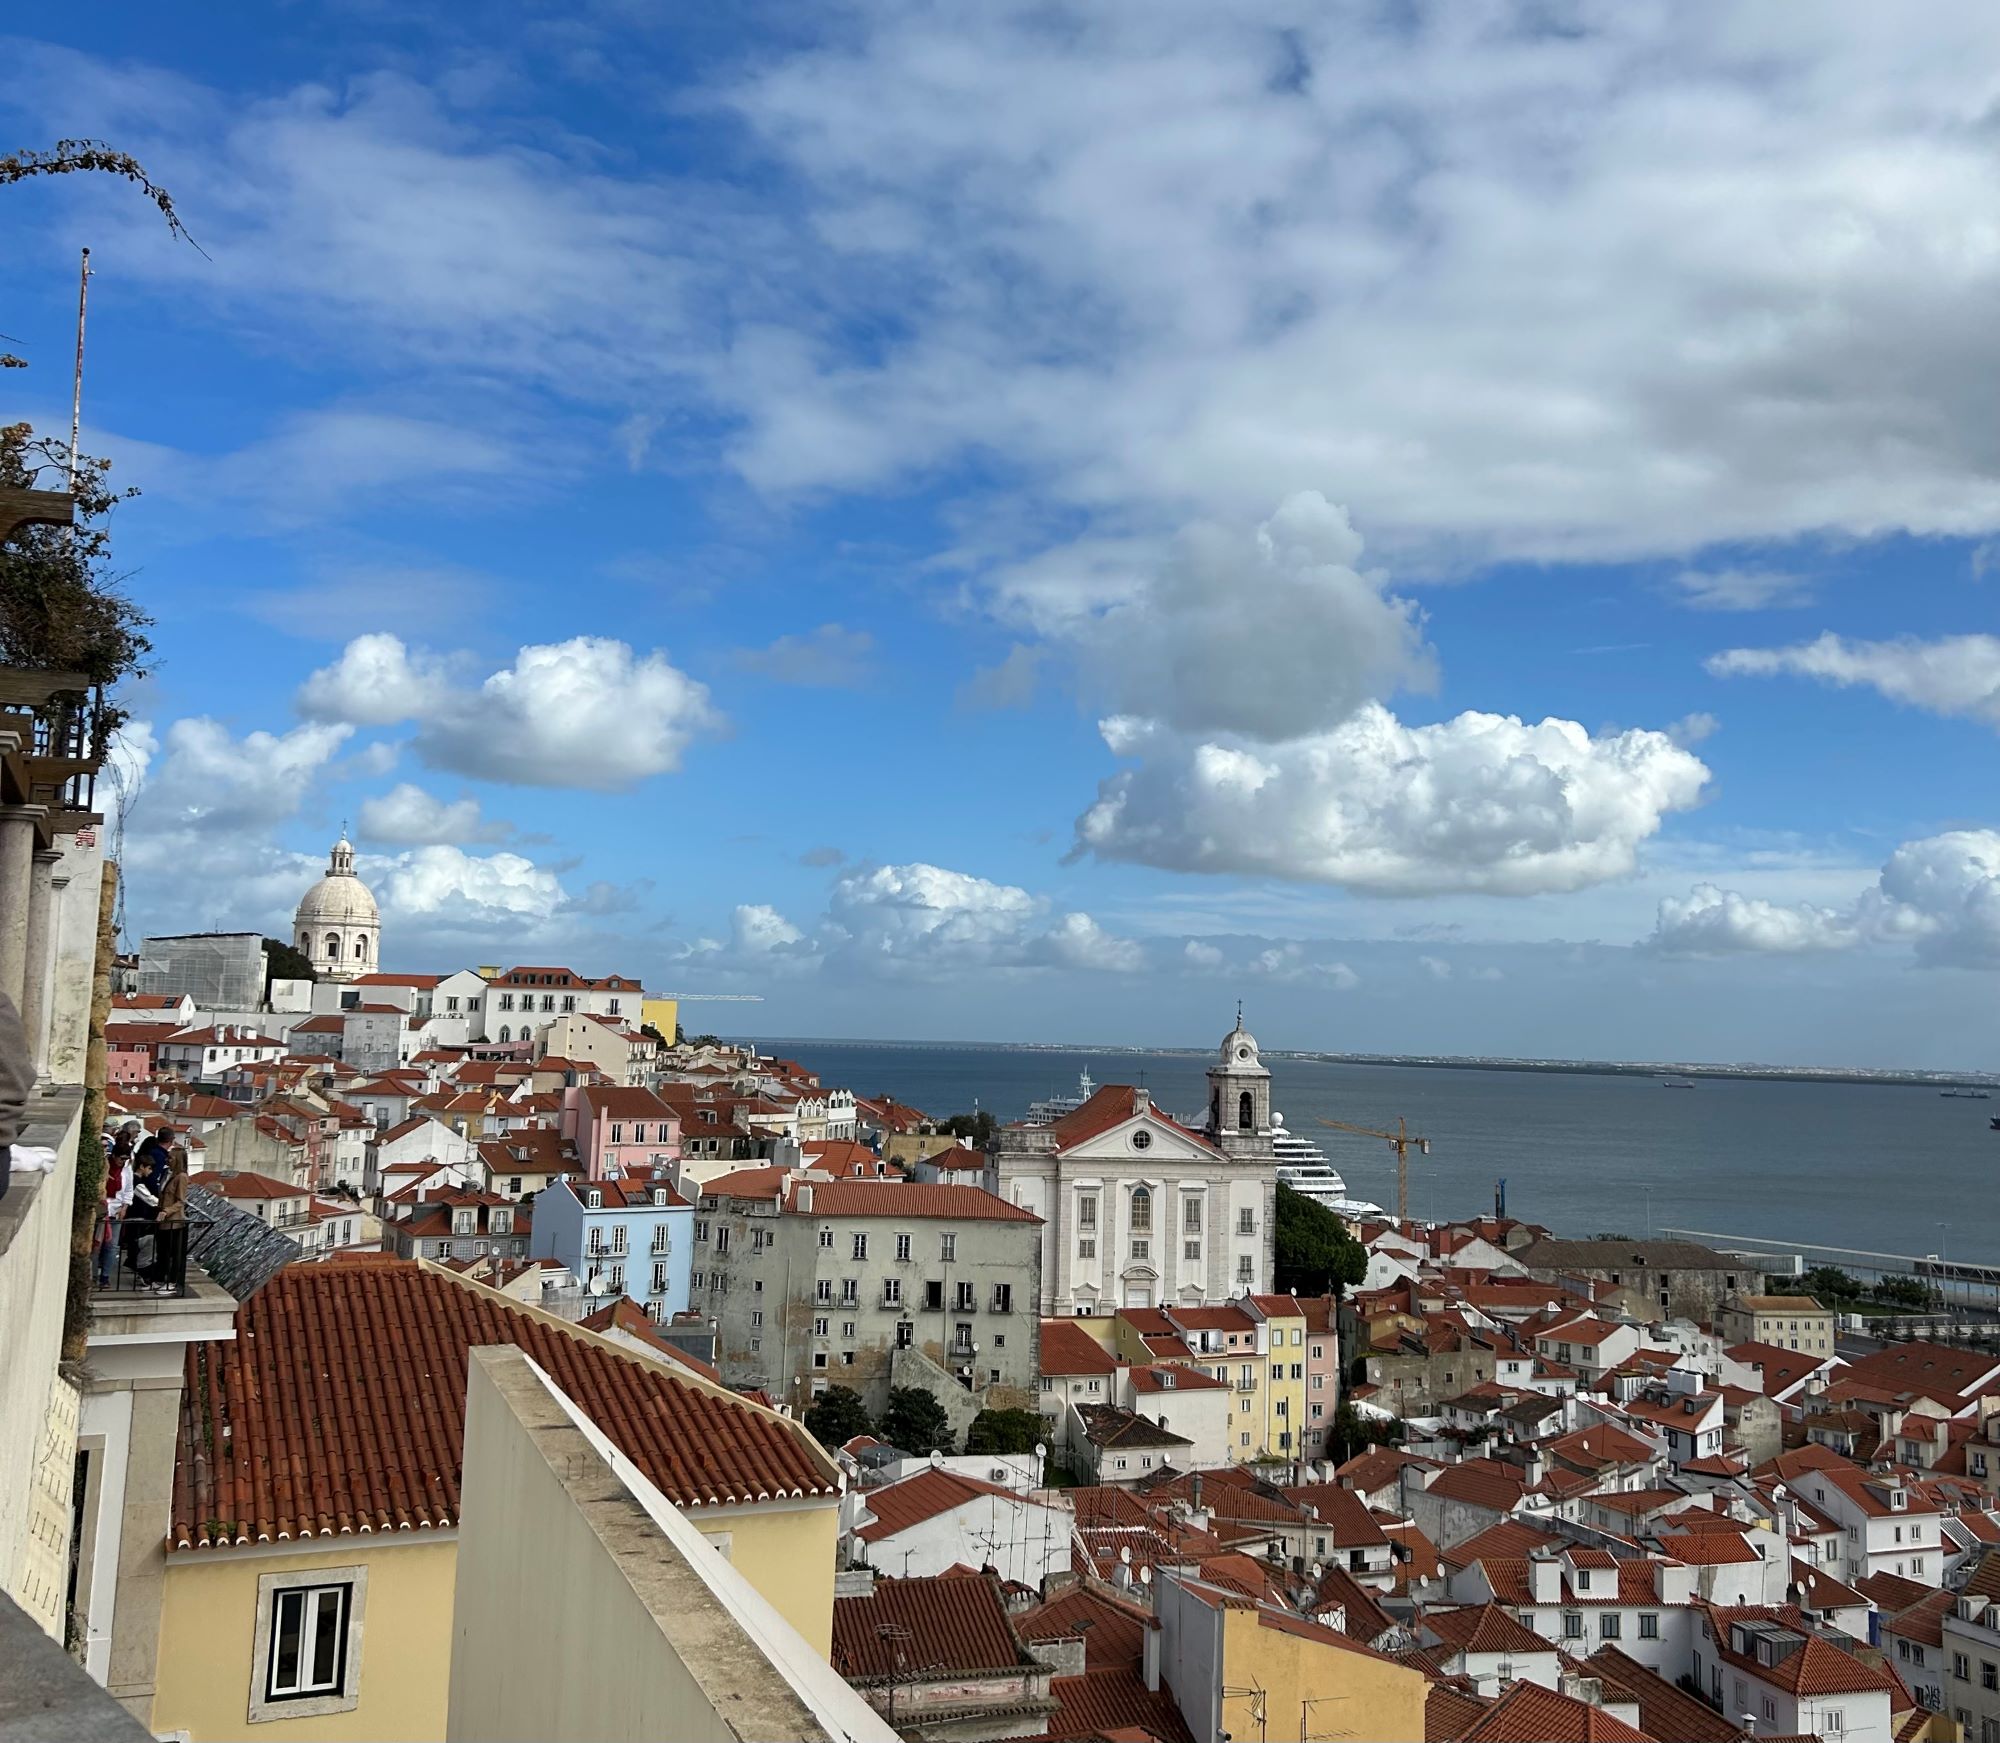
(1284, 1393)
(662, 1016)
(314, 1538)
(1243, 1669)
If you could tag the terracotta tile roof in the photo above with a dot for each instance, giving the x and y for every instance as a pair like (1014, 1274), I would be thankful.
(1707, 1548)
(1509, 1542)
(1529, 1713)
(249, 1186)
(898, 1506)
(1175, 1377)
(1953, 1376)
(1813, 1666)
(1486, 1628)
(1377, 1468)
(1666, 1712)
(627, 1316)
(1348, 1523)
(1816, 1589)
(1779, 1369)
(950, 1624)
(1450, 1712)
(1599, 1445)
(1481, 1482)
(339, 1407)
(1104, 1702)
(1365, 1619)
(1068, 1349)
(1107, 1425)
(1115, 1637)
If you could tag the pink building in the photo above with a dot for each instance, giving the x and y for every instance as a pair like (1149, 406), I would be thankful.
(617, 1130)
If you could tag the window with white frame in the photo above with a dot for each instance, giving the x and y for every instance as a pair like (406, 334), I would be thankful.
(307, 1657)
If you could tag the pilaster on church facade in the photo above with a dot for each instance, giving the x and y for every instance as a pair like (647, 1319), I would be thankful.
(1140, 1210)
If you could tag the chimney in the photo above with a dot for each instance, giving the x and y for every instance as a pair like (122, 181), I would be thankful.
(1150, 1659)
(805, 1200)
(1544, 1577)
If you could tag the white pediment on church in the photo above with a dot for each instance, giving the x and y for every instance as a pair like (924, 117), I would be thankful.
(1143, 1138)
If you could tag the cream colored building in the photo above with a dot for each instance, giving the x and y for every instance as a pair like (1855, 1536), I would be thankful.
(1788, 1322)
(308, 1586)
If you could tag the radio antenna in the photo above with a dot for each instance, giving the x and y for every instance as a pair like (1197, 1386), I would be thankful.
(76, 396)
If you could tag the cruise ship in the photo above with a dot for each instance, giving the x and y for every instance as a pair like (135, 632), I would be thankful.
(1303, 1166)
(1052, 1108)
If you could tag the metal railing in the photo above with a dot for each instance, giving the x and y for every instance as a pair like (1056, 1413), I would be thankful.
(150, 1260)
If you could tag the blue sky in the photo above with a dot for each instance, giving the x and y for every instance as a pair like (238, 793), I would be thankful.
(1470, 528)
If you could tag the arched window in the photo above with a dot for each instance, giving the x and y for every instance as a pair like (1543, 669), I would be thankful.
(361, 949)
(1246, 1120)
(506, 1034)
(305, 943)
(1215, 1112)
(333, 947)
(1142, 1210)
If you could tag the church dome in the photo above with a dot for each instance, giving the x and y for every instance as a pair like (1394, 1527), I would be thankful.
(1239, 1046)
(340, 898)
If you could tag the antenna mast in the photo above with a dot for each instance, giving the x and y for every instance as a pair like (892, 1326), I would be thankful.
(76, 397)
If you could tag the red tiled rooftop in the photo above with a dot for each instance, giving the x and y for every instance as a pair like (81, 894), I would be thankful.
(950, 1624)
(339, 1407)
(1068, 1349)
(898, 1506)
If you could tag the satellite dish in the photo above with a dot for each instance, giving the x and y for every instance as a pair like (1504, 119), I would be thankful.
(937, 1459)
(1041, 1451)
(1125, 1555)
(1145, 1576)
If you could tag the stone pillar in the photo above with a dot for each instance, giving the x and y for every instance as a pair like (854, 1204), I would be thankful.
(17, 865)
(40, 952)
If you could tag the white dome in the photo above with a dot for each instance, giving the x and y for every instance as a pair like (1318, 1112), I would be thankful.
(1239, 1046)
(340, 898)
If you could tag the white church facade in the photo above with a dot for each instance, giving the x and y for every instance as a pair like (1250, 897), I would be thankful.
(338, 928)
(1139, 1210)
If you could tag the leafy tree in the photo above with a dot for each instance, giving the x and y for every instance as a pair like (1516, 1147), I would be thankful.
(1903, 1292)
(979, 1127)
(1830, 1284)
(1355, 1431)
(282, 961)
(61, 610)
(1005, 1431)
(915, 1422)
(836, 1416)
(1312, 1252)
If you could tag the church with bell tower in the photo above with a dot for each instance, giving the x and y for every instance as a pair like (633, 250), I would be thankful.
(1140, 1209)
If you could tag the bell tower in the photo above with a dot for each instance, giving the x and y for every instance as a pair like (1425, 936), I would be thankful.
(1239, 1098)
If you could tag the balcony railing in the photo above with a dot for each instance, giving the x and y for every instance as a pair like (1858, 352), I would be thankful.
(150, 1261)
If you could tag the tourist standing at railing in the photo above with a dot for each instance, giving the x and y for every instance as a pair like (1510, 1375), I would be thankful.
(17, 1078)
(170, 1228)
(117, 1196)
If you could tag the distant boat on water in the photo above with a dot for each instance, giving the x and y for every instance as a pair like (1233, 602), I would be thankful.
(1966, 1094)
(1677, 1083)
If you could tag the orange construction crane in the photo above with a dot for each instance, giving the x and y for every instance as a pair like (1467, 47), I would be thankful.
(1402, 1143)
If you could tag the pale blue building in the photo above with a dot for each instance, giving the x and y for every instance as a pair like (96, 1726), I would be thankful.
(631, 1237)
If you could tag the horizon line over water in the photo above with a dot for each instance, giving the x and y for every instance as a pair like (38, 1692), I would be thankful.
(1739, 1069)
(1786, 1160)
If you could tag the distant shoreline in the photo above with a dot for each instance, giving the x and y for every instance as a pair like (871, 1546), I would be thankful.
(1906, 1077)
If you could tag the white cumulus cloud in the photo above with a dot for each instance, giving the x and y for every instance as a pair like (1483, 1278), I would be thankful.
(407, 815)
(1710, 921)
(1481, 802)
(1958, 675)
(1939, 894)
(447, 888)
(377, 681)
(590, 712)
(1269, 633)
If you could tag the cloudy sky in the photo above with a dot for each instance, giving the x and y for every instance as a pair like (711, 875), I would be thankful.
(1472, 527)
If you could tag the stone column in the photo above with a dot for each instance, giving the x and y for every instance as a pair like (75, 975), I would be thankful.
(17, 863)
(40, 952)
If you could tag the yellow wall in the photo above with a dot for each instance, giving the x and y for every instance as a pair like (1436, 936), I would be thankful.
(1354, 1694)
(208, 1631)
(1291, 1352)
(787, 1553)
(662, 1015)
(208, 1623)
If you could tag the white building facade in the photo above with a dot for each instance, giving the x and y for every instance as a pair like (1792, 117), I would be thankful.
(1141, 1211)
